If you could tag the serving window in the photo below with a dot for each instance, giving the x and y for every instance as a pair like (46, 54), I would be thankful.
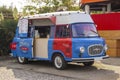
(39, 28)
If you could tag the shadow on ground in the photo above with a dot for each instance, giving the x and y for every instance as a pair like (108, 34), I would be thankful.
(99, 71)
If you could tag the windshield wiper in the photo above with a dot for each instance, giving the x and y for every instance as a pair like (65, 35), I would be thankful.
(94, 31)
(90, 34)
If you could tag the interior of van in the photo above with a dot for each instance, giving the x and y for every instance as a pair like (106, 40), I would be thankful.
(39, 30)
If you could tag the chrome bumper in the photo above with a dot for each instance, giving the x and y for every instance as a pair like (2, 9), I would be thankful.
(89, 59)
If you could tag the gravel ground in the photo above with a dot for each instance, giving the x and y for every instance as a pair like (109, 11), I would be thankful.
(8, 72)
(15, 74)
(38, 76)
(108, 69)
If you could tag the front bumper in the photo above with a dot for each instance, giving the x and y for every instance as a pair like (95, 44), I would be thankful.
(89, 59)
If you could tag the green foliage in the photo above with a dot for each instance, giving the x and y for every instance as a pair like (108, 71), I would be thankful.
(1, 17)
(7, 29)
(4, 9)
(9, 24)
(29, 10)
(45, 6)
(15, 13)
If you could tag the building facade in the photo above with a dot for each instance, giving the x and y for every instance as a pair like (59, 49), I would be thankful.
(108, 21)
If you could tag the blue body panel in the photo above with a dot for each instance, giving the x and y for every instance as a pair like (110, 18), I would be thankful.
(85, 42)
(50, 48)
(76, 44)
(26, 43)
(23, 35)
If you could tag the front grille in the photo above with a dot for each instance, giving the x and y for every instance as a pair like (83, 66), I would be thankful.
(95, 50)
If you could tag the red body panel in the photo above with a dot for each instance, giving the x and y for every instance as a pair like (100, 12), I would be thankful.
(64, 45)
(109, 21)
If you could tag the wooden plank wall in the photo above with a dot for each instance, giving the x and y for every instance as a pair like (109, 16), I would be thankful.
(112, 38)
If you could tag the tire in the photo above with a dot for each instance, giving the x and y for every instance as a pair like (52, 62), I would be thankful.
(22, 60)
(88, 63)
(59, 62)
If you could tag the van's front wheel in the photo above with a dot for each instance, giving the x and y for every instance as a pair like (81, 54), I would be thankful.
(22, 60)
(59, 62)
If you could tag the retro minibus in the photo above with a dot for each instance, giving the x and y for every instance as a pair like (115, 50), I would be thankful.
(58, 37)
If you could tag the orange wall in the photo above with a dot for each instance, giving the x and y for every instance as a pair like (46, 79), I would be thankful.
(91, 1)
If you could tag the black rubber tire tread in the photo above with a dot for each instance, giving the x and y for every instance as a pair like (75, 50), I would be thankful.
(24, 62)
(64, 65)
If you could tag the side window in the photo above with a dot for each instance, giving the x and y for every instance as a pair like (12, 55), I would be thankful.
(63, 31)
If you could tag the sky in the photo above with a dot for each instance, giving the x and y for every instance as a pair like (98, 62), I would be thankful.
(18, 3)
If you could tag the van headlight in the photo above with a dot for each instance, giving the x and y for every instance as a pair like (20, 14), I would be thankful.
(82, 49)
(106, 47)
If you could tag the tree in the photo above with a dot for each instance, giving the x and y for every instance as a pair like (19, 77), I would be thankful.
(7, 28)
(7, 12)
(1, 17)
(30, 10)
(56, 4)
(15, 13)
(45, 6)
(4, 9)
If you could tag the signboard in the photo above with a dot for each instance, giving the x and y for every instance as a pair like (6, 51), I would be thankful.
(23, 26)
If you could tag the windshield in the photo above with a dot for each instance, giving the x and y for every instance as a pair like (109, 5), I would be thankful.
(84, 30)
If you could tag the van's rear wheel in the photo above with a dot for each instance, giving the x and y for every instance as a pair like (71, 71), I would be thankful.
(88, 63)
(22, 60)
(59, 62)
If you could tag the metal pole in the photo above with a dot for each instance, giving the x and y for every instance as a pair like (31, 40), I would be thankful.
(87, 9)
(109, 7)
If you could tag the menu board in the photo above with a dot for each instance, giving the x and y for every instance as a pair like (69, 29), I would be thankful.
(23, 25)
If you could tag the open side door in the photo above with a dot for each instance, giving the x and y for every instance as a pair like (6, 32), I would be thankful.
(25, 48)
(25, 43)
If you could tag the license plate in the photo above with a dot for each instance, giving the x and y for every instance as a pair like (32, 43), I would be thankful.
(99, 58)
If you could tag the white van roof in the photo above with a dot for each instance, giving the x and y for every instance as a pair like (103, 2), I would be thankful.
(65, 17)
(55, 18)
(52, 14)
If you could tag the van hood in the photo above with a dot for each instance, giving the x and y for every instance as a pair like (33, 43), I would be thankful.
(86, 43)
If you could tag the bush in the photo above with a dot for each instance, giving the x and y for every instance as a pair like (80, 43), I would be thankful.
(7, 30)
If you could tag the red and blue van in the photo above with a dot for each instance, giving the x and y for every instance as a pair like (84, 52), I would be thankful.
(59, 37)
